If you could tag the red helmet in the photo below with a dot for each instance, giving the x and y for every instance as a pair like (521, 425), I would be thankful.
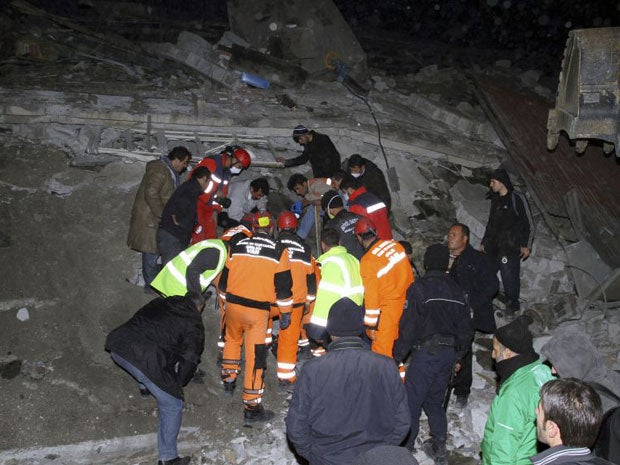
(365, 225)
(242, 156)
(262, 220)
(287, 220)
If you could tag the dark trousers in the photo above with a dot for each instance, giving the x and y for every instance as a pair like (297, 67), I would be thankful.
(464, 378)
(169, 246)
(427, 379)
(509, 267)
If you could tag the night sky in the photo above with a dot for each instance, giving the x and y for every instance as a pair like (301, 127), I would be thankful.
(529, 27)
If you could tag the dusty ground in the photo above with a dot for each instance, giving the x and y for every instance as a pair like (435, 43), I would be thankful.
(71, 225)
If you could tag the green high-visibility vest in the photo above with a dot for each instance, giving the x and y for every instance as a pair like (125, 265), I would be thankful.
(340, 277)
(171, 279)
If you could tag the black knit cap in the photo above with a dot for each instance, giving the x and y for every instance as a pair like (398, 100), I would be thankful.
(437, 257)
(300, 130)
(516, 335)
(331, 199)
(345, 318)
(501, 175)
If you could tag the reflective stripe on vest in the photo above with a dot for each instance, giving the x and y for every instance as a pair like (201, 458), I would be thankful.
(393, 260)
(375, 207)
(171, 280)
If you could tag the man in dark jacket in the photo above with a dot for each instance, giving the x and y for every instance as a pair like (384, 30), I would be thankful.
(319, 150)
(568, 417)
(180, 215)
(371, 177)
(473, 271)
(349, 400)
(160, 346)
(342, 221)
(436, 329)
(509, 235)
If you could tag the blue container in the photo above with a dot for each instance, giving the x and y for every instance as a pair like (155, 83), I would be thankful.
(255, 81)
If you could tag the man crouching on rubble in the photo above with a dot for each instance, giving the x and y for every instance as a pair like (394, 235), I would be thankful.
(160, 347)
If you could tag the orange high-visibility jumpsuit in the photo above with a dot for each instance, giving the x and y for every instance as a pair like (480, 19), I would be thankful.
(386, 274)
(304, 293)
(230, 237)
(256, 276)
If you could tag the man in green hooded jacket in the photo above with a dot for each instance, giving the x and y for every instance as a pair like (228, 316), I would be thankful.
(510, 432)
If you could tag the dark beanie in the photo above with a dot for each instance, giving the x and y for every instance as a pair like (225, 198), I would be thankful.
(437, 257)
(331, 199)
(299, 130)
(516, 335)
(501, 175)
(384, 454)
(345, 318)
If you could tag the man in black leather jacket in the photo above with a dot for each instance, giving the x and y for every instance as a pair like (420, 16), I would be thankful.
(160, 346)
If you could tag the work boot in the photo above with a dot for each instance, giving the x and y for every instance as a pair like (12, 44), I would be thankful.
(199, 376)
(304, 353)
(256, 414)
(461, 400)
(229, 387)
(177, 461)
(286, 386)
(436, 450)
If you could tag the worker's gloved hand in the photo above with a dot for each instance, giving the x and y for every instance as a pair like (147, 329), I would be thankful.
(223, 201)
(297, 208)
(285, 320)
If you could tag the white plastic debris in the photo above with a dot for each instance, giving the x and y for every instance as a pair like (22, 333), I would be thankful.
(23, 314)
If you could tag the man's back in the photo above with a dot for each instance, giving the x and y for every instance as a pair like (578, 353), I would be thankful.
(374, 180)
(323, 156)
(367, 204)
(345, 403)
(258, 270)
(344, 222)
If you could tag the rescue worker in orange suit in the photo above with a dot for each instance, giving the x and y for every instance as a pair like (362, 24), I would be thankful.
(231, 161)
(256, 277)
(303, 269)
(364, 203)
(230, 236)
(386, 275)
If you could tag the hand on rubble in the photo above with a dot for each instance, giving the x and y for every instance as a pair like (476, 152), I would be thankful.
(524, 253)
(285, 320)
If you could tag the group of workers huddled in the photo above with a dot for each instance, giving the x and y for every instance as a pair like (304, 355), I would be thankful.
(378, 343)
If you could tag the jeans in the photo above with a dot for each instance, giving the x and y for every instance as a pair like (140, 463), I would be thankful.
(427, 379)
(170, 411)
(150, 267)
(306, 222)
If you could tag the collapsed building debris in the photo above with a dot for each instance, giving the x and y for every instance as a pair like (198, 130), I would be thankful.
(110, 105)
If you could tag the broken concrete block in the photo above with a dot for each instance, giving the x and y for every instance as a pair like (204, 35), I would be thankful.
(196, 61)
(472, 208)
(300, 31)
(10, 366)
(35, 370)
(273, 69)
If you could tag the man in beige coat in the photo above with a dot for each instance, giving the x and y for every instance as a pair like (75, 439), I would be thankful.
(158, 184)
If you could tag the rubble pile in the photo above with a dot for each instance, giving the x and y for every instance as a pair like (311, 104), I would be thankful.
(86, 100)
